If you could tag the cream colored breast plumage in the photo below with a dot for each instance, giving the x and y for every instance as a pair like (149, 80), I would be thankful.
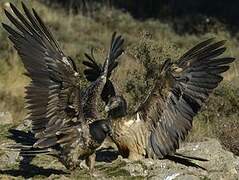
(130, 135)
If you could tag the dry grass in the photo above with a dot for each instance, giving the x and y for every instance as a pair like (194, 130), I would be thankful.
(228, 133)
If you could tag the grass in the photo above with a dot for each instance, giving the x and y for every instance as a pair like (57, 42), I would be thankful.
(147, 44)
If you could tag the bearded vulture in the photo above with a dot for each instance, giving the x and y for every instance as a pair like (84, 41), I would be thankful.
(65, 116)
(165, 117)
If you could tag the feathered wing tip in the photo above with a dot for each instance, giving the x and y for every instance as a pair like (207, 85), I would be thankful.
(94, 70)
(115, 51)
(32, 23)
(197, 47)
(206, 50)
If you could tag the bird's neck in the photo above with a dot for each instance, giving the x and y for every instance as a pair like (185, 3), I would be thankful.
(118, 113)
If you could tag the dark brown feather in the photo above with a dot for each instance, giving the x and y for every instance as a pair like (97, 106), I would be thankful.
(54, 97)
(180, 92)
(94, 70)
(54, 79)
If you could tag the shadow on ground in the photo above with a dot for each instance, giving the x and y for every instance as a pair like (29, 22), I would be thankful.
(28, 170)
(31, 171)
(106, 155)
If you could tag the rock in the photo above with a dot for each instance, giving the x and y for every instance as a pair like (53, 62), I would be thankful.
(6, 118)
(222, 164)
(9, 158)
(59, 177)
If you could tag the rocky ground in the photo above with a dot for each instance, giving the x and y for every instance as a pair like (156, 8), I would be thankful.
(221, 164)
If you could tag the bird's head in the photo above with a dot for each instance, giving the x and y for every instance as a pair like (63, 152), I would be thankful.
(100, 129)
(116, 106)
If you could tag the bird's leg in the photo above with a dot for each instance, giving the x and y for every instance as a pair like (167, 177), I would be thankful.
(90, 162)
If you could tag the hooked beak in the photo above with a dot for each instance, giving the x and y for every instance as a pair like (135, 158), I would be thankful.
(107, 108)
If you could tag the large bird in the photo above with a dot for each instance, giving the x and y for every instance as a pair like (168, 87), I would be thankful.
(65, 117)
(165, 117)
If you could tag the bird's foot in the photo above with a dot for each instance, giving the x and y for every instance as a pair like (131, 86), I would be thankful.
(84, 166)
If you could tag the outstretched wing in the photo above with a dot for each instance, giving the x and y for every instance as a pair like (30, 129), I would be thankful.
(93, 70)
(53, 95)
(179, 93)
(93, 73)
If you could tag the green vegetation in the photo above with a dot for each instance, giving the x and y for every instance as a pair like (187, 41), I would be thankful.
(148, 43)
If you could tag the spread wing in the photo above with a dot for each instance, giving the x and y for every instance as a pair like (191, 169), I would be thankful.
(93, 70)
(53, 95)
(179, 93)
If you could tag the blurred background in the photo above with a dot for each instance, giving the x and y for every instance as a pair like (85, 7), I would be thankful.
(153, 31)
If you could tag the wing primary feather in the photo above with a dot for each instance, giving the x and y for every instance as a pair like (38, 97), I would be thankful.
(196, 48)
(16, 22)
(23, 20)
(46, 31)
(180, 91)
(53, 75)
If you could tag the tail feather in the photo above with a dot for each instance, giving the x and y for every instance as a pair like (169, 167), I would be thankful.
(185, 161)
(191, 157)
